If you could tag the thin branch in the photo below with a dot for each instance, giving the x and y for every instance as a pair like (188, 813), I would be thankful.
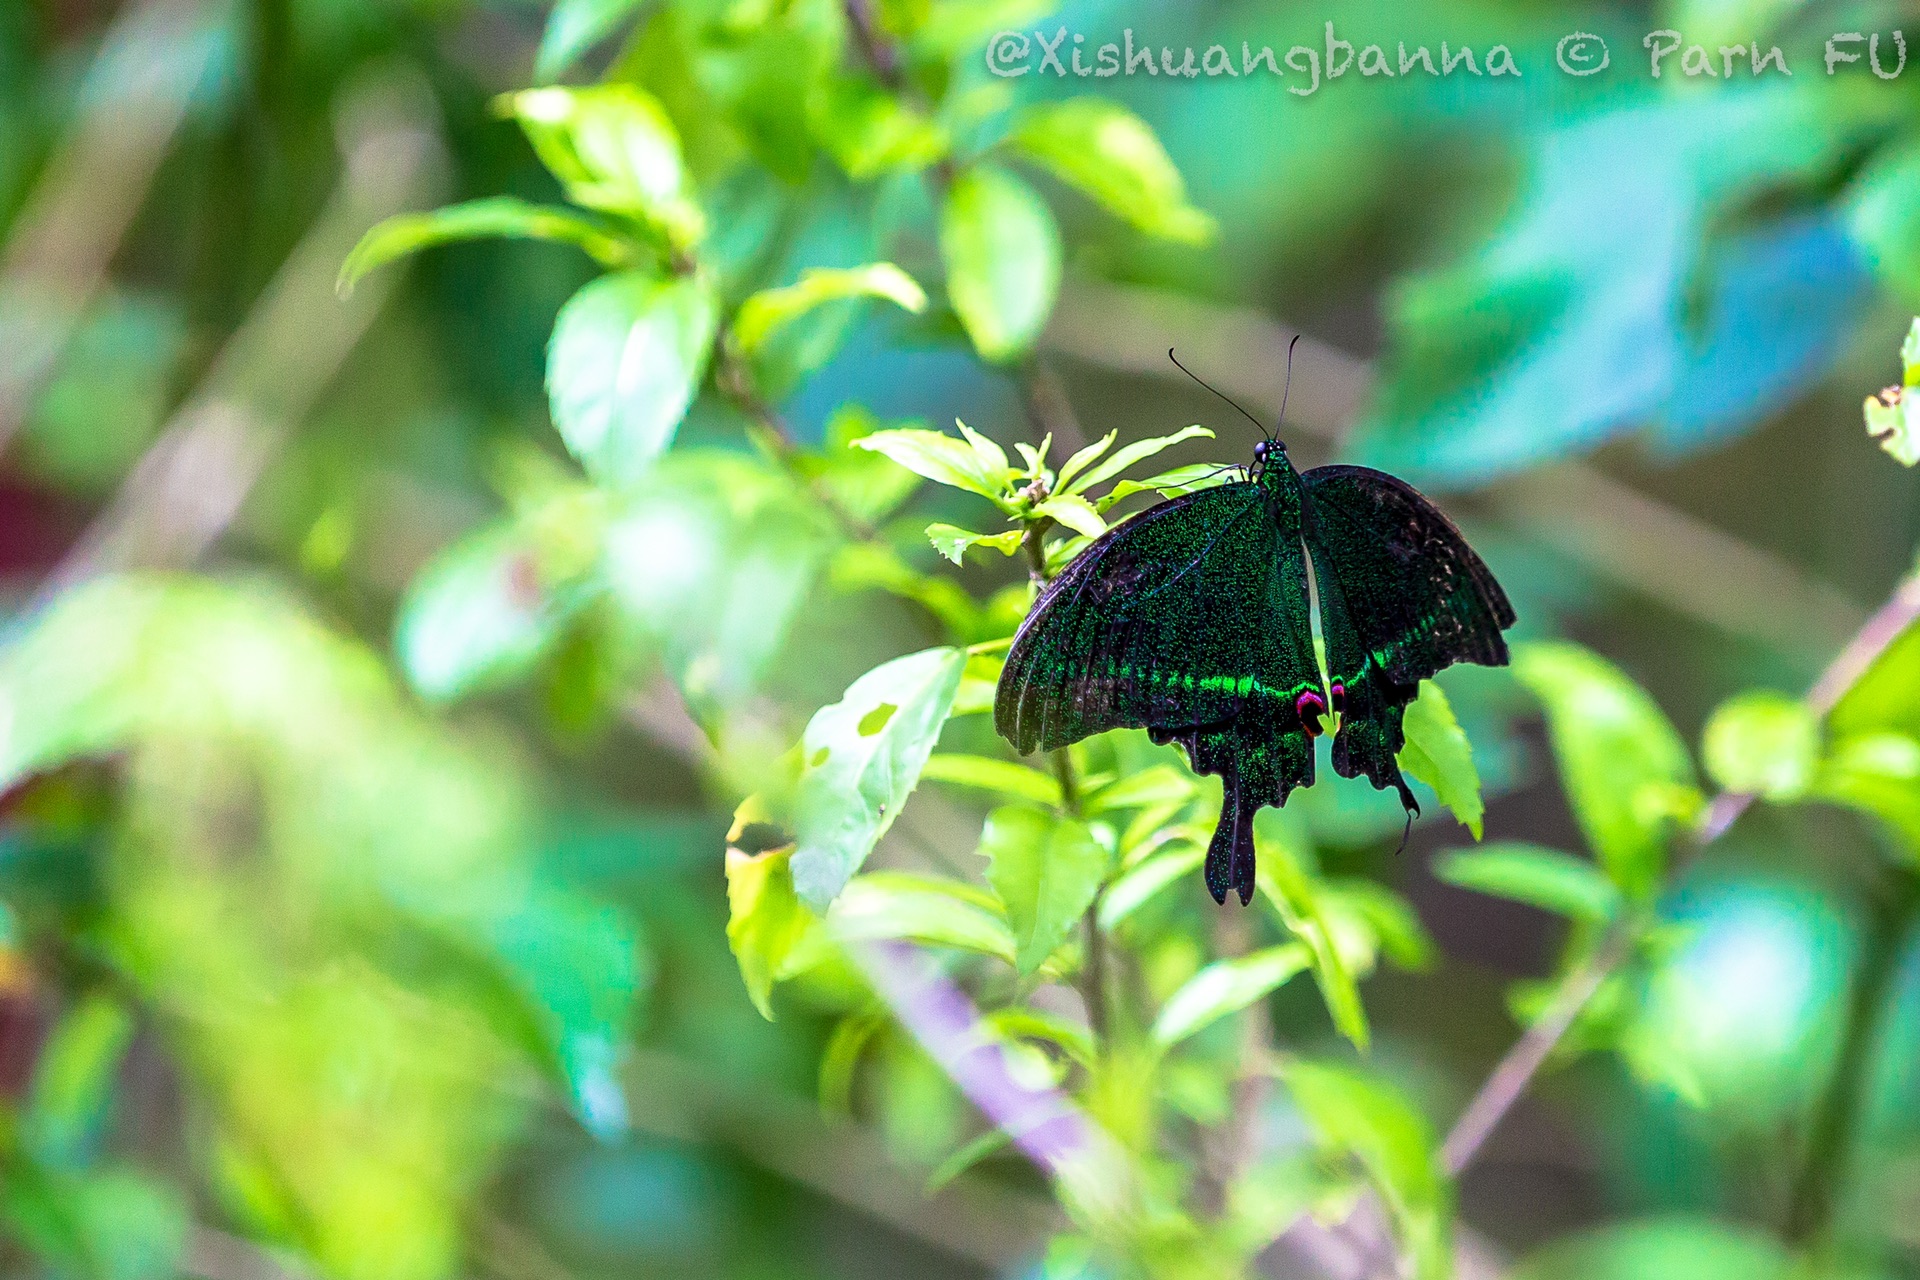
(135, 98)
(189, 486)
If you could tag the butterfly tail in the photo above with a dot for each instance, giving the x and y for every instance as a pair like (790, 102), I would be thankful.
(1230, 863)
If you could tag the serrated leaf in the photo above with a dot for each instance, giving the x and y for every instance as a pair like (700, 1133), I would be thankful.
(861, 759)
(613, 148)
(1113, 156)
(496, 216)
(1763, 744)
(1138, 451)
(1003, 777)
(1225, 987)
(1613, 744)
(1540, 877)
(938, 457)
(1075, 512)
(1437, 753)
(764, 312)
(1046, 869)
(952, 541)
(627, 356)
(1001, 248)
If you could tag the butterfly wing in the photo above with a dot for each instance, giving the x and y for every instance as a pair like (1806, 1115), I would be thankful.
(1190, 621)
(1402, 595)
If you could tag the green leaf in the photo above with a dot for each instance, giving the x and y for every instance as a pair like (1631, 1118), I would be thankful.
(1540, 877)
(941, 458)
(1155, 785)
(1140, 883)
(1437, 752)
(1763, 744)
(1365, 1118)
(1617, 752)
(73, 1082)
(480, 615)
(1684, 1245)
(1075, 512)
(501, 216)
(614, 149)
(1112, 155)
(1887, 694)
(1394, 924)
(764, 312)
(1883, 215)
(1224, 987)
(1046, 869)
(768, 928)
(1075, 1039)
(1893, 415)
(952, 541)
(864, 483)
(627, 356)
(574, 27)
(1876, 773)
(1138, 451)
(1004, 777)
(963, 1159)
(841, 1058)
(869, 131)
(925, 909)
(1295, 898)
(862, 756)
(1168, 484)
(1001, 248)
(1081, 460)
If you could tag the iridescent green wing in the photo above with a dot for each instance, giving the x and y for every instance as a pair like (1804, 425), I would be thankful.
(1402, 595)
(1192, 622)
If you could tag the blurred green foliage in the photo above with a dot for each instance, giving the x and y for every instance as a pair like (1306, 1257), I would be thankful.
(369, 901)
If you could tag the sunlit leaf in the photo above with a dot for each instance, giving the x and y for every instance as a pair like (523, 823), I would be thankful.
(1004, 777)
(1763, 744)
(1876, 773)
(764, 312)
(1075, 512)
(869, 131)
(938, 457)
(614, 149)
(1613, 745)
(1081, 460)
(627, 356)
(496, 216)
(1544, 878)
(768, 927)
(1698, 1248)
(478, 615)
(1140, 883)
(1893, 415)
(861, 758)
(1046, 869)
(1390, 919)
(952, 541)
(1437, 753)
(1127, 455)
(1169, 484)
(1225, 987)
(1113, 156)
(1295, 898)
(1155, 785)
(1002, 253)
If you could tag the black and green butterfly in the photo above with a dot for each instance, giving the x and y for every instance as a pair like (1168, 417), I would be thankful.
(1193, 621)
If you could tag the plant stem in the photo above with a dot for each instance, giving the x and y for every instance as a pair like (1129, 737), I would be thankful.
(1811, 1202)
(1514, 1074)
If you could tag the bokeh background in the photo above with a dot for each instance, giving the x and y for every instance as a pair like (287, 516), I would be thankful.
(370, 930)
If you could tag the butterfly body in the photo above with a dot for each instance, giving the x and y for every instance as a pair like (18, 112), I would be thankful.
(1194, 621)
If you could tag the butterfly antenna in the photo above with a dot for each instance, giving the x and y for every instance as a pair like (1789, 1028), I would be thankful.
(1286, 387)
(1258, 425)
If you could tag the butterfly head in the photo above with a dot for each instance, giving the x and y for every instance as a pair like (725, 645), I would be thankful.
(1267, 451)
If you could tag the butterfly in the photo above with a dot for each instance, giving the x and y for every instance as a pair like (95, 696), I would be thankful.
(1193, 620)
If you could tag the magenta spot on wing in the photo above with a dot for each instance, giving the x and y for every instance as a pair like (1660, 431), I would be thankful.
(1339, 694)
(1310, 708)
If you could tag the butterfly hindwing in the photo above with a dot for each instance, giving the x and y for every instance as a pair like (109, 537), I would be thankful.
(1402, 596)
(1191, 621)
